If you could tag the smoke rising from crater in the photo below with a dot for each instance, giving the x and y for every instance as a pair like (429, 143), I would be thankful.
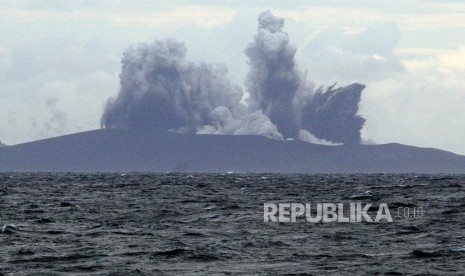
(162, 90)
(332, 115)
(274, 78)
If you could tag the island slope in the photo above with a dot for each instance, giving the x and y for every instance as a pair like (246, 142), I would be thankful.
(116, 150)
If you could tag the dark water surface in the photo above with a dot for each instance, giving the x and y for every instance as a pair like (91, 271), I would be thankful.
(178, 224)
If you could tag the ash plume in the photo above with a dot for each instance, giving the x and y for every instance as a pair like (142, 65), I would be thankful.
(277, 86)
(332, 115)
(161, 89)
(274, 78)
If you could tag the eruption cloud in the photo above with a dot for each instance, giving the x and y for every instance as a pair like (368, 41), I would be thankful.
(162, 90)
(274, 78)
(332, 115)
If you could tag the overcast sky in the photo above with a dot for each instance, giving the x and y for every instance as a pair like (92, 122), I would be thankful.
(60, 60)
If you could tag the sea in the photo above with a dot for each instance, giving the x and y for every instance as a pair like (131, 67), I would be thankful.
(214, 224)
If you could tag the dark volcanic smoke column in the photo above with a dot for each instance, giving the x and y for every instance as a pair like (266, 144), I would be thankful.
(160, 89)
(332, 115)
(274, 78)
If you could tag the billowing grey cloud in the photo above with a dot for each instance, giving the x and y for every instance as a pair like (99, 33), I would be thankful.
(274, 78)
(332, 115)
(161, 89)
(277, 86)
(255, 123)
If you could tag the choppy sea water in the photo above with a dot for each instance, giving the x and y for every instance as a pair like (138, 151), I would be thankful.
(212, 224)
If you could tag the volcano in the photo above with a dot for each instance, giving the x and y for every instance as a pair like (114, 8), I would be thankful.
(123, 150)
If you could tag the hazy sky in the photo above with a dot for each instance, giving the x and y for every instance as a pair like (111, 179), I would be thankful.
(60, 60)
